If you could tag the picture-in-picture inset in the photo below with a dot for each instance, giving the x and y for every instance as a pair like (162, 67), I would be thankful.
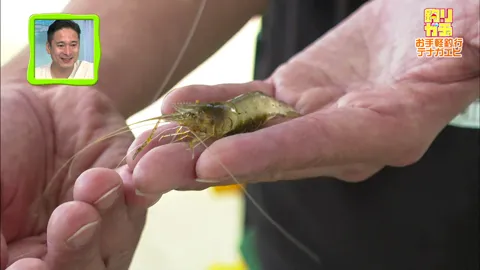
(64, 49)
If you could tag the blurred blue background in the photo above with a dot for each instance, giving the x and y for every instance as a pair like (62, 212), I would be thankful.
(86, 41)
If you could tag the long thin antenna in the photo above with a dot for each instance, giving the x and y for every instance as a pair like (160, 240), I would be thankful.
(138, 147)
(182, 51)
(282, 230)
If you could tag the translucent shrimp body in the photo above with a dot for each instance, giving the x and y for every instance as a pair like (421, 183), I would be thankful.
(244, 113)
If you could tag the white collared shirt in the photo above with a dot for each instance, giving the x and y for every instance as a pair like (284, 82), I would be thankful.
(81, 70)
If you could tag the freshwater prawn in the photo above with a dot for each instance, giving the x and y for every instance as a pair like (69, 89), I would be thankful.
(244, 113)
(247, 112)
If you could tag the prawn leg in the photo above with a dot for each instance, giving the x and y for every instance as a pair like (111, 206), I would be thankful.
(151, 137)
(185, 133)
(193, 143)
(176, 132)
(147, 141)
(196, 142)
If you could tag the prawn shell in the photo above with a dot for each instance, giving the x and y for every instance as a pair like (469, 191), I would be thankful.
(250, 111)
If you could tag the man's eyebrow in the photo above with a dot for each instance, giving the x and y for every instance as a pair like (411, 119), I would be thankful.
(63, 42)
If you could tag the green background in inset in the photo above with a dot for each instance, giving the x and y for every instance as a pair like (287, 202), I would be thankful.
(62, 16)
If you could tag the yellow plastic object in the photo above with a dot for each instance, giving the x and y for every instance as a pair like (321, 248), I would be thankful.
(226, 266)
(225, 189)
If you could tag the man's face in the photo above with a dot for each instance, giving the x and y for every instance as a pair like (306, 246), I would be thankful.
(64, 47)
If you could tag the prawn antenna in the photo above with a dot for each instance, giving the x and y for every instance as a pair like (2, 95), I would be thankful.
(182, 50)
(119, 131)
(279, 227)
(136, 149)
(51, 183)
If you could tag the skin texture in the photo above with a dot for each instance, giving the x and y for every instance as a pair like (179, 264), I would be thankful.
(354, 95)
(64, 50)
(38, 217)
(44, 126)
(368, 103)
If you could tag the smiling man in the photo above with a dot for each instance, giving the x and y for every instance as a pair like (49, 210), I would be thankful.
(63, 45)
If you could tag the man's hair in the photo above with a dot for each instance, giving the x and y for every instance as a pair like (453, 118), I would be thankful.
(60, 24)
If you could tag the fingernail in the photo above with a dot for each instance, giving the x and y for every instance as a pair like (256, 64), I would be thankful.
(149, 197)
(207, 181)
(139, 193)
(107, 199)
(83, 235)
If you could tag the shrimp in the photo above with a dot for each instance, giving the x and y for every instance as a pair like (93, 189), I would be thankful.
(245, 113)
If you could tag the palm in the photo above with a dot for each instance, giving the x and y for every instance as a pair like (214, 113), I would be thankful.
(41, 130)
(363, 62)
(359, 87)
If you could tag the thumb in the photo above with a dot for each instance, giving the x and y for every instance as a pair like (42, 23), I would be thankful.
(28, 264)
(72, 237)
(331, 137)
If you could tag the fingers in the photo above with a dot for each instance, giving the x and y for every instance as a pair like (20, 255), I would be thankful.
(160, 169)
(352, 173)
(161, 136)
(28, 264)
(300, 155)
(105, 189)
(121, 223)
(324, 139)
(99, 187)
(162, 165)
(137, 203)
(205, 93)
(73, 237)
(156, 169)
(166, 168)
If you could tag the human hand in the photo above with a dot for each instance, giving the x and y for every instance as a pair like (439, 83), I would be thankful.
(368, 102)
(88, 221)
